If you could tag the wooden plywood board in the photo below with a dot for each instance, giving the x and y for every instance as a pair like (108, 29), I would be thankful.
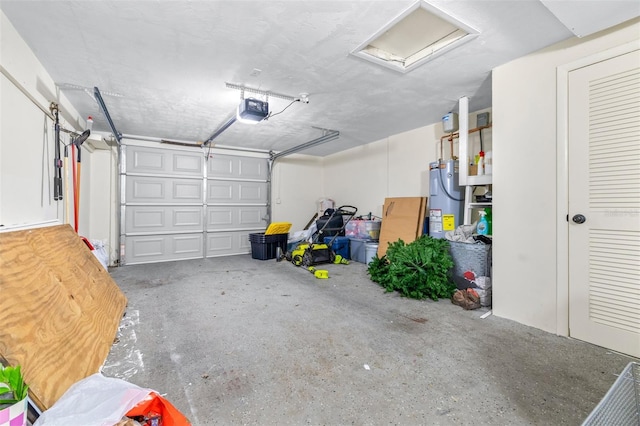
(59, 309)
(402, 218)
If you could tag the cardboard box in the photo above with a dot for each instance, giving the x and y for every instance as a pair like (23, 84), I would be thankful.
(402, 218)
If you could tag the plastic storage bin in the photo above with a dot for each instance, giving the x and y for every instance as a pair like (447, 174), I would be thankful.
(362, 251)
(339, 246)
(264, 247)
(363, 229)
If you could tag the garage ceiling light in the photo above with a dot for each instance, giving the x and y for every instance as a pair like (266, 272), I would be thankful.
(417, 35)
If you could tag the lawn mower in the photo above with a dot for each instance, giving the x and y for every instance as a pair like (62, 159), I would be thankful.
(318, 252)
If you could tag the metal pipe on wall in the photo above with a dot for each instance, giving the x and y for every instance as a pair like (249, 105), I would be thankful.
(451, 136)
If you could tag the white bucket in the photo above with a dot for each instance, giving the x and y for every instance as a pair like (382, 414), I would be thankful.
(370, 251)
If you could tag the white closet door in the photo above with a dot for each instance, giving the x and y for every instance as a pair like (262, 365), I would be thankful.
(604, 190)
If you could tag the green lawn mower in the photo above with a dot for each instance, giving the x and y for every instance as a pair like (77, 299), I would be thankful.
(317, 253)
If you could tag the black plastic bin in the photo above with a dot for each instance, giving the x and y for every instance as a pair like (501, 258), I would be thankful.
(264, 247)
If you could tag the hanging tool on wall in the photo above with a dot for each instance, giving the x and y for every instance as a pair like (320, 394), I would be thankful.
(67, 214)
(45, 163)
(57, 179)
(76, 145)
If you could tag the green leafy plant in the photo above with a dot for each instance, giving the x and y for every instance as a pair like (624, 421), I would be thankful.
(12, 386)
(417, 270)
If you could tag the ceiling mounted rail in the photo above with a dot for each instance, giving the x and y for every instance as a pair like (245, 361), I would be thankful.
(219, 130)
(103, 107)
(266, 93)
(328, 136)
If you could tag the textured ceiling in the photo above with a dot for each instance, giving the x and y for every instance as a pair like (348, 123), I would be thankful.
(170, 61)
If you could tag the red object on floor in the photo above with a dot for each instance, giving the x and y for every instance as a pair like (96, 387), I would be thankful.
(155, 404)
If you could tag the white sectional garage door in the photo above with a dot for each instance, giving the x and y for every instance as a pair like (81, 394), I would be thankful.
(176, 204)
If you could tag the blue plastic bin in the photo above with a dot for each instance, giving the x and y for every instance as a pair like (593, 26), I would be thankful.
(339, 246)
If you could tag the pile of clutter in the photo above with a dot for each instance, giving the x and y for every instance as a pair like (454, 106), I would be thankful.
(477, 292)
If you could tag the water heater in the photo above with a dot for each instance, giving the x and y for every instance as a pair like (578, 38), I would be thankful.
(446, 207)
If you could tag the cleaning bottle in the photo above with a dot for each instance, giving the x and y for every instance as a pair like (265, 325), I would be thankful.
(483, 225)
(487, 211)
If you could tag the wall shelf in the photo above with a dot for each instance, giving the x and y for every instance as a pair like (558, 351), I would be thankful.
(466, 180)
(479, 205)
(477, 180)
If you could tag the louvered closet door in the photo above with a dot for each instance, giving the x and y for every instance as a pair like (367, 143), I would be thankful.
(604, 187)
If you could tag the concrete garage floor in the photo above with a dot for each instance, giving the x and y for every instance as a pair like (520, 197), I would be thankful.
(241, 341)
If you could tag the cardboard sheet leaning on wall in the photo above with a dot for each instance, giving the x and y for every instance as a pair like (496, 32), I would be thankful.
(402, 218)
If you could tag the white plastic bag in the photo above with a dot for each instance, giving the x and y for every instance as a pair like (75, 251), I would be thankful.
(94, 401)
(485, 296)
(100, 252)
(483, 282)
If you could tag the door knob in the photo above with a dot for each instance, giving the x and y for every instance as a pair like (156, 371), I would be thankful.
(579, 218)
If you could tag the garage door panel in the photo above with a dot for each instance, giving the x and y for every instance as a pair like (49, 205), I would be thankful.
(221, 192)
(189, 245)
(158, 219)
(153, 162)
(178, 205)
(252, 216)
(185, 217)
(162, 162)
(223, 166)
(162, 248)
(220, 166)
(234, 217)
(236, 192)
(145, 189)
(187, 190)
(227, 243)
(252, 168)
(187, 164)
(219, 217)
(252, 192)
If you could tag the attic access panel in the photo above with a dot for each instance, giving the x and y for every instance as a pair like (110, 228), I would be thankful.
(416, 36)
